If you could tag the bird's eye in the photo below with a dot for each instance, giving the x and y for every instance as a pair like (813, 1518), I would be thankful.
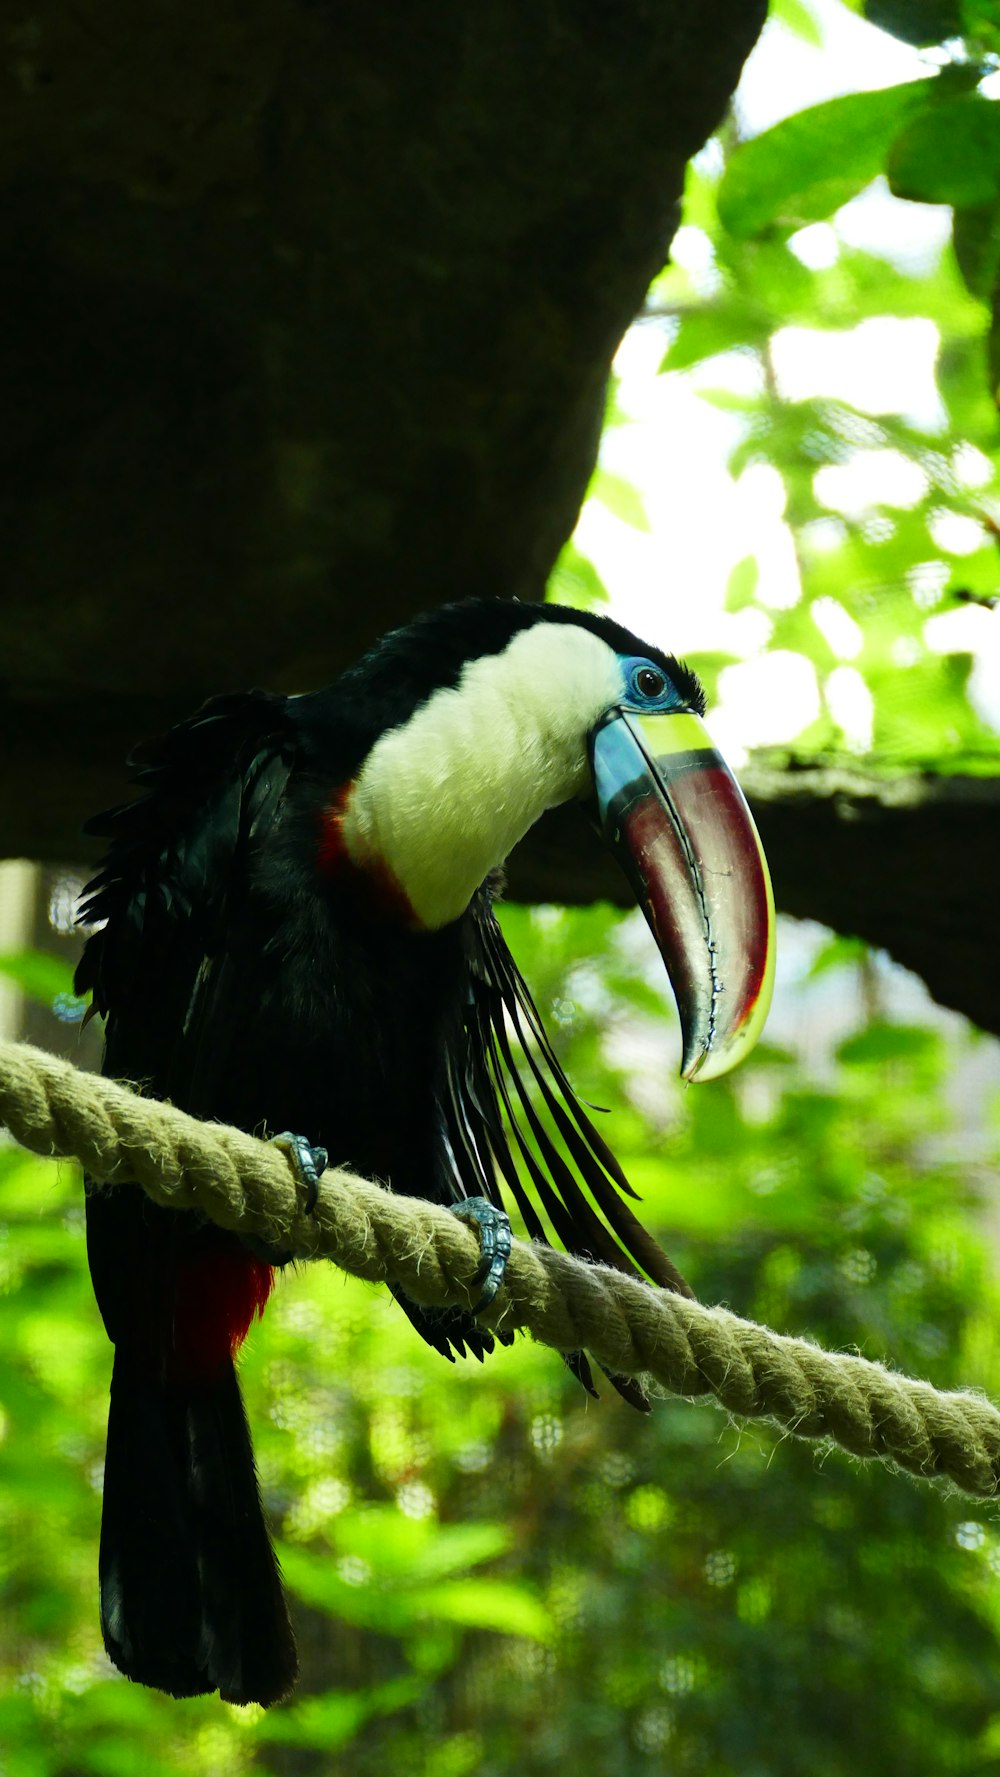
(650, 682)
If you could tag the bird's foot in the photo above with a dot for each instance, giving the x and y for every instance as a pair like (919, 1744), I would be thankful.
(308, 1165)
(494, 1240)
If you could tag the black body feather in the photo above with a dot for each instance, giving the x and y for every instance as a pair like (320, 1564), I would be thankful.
(239, 983)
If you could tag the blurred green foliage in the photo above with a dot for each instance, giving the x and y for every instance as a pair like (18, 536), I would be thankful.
(892, 522)
(881, 561)
(491, 1572)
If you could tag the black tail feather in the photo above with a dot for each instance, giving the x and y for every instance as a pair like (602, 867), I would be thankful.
(191, 1595)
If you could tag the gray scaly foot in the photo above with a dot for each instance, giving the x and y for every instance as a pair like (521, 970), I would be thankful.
(494, 1240)
(308, 1165)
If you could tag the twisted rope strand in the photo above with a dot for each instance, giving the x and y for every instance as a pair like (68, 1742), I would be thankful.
(629, 1327)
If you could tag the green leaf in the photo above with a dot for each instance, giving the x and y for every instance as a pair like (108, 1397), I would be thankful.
(949, 154)
(575, 581)
(810, 164)
(976, 240)
(418, 1550)
(799, 19)
(888, 1042)
(334, 1718)
(722, 326)
(837, 953)
(727, 401)
(40, 976)
(115, 1757)
(921, 22)
(742, 584)
(410, 1565)
(620, 497)
(500, 1605)
(396, 1599)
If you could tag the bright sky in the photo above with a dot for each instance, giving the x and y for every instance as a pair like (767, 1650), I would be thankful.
(670, 582)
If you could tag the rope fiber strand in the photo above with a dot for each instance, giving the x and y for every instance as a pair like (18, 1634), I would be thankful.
(629, 1327)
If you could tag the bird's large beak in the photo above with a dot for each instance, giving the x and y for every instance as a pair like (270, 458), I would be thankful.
(677, 821)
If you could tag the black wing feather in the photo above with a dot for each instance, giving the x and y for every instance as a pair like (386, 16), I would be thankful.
(501, 996)
(166, 884)
(517, 997)
(487, 1129)
(191, 1597)
(634, 1237)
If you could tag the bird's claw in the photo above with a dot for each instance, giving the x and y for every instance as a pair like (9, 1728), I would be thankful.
(308, 1165)
(494, 1240)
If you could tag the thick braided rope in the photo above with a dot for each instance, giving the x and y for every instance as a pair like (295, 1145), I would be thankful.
(629, 1327)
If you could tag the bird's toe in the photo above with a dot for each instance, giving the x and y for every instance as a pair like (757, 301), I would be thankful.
(495, 1242)
(308, 1165)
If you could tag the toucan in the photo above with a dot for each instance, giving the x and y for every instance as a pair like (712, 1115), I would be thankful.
(294, 931)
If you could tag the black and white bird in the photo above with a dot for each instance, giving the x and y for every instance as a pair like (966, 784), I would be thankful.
(297, 934)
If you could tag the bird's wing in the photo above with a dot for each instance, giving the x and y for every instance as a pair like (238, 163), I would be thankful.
(190, 1593)
(577, 1187)
(172, 872)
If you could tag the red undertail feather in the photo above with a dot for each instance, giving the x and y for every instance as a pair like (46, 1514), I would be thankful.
(218, 1299)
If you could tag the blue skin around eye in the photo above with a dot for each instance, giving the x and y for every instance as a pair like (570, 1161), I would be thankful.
(634, 699)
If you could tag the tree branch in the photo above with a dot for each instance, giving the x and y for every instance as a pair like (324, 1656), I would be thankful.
(309, 311)
(908, 863)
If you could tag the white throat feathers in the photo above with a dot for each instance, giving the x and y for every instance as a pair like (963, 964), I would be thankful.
(443, 799)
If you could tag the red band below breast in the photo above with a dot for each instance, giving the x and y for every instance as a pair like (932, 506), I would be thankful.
(371, 886)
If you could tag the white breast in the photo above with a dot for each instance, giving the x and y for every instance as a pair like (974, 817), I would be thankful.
(443, 799)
